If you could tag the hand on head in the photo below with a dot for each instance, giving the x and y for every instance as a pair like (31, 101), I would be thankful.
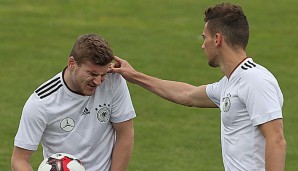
(122, 67)
(117, 64)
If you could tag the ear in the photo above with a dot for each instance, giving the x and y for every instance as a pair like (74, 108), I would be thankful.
(71, 62)
(218, 39)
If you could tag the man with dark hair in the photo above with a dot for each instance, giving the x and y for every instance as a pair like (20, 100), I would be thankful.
(83, 111)
(248, 95)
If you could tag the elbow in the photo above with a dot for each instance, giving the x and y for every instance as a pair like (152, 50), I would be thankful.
(15, 164)
(12, 164)
(281, 141)
(283, 144)
(283, 147)
(182, 101)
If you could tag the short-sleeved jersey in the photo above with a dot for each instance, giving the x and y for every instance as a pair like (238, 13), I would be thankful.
(250, 97)
(63, 121)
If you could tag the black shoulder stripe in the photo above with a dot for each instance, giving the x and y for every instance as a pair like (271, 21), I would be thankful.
(252, 63)
(248, 65)
(49, 88)
(243, 68)
(46, 85)
(49, 93)
(46, 89)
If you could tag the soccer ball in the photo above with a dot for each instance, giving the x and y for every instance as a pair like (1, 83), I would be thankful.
(61, 162)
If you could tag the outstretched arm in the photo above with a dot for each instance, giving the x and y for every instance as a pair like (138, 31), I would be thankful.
(177, 92)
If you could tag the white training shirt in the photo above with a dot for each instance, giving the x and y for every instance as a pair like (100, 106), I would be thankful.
(66, 122)
(250, 97)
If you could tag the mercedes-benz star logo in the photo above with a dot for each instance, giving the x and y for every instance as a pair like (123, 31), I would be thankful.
(67, 124)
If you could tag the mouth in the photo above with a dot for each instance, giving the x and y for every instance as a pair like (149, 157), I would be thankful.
(92, 86)
(89, 89)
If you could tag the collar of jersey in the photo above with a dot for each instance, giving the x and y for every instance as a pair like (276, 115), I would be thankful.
(238, 67)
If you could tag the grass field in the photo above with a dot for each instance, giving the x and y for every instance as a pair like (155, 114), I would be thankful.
(160, 38)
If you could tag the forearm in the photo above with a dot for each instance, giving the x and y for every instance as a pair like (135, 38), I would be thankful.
(20, 159)
(275, 155)
(21, 166)
(121, 154)
(177, 92)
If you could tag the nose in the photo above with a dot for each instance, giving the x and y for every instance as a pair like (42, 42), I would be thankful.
(98, 80)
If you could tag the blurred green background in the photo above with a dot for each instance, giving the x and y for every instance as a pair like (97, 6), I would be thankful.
(160, 38)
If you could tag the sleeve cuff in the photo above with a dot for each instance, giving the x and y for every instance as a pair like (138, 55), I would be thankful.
(268, 117)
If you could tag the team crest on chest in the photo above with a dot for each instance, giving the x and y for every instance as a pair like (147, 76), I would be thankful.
(67, 124)
(103, 113)
(226, 103)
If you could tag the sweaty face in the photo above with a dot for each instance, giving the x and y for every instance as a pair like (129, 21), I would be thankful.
(209, 48)
(87, 77)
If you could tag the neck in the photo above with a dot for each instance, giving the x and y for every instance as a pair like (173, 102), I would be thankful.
(67, 79)
(231, 60)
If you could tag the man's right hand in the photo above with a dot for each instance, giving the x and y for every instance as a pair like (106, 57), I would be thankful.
(122, 67)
